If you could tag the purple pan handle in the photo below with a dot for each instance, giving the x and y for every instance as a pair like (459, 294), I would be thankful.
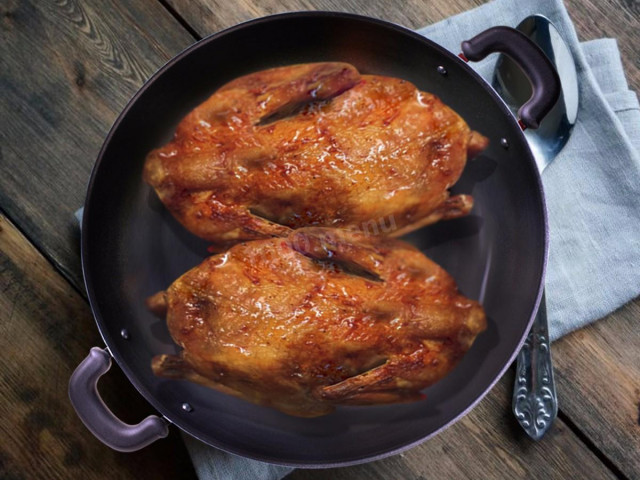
(109, 429)
(534, 63)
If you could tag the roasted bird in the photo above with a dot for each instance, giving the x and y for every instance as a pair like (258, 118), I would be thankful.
(313, 145)
(319, 318)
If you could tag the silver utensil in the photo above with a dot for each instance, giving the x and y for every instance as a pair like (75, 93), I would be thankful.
(535, 403)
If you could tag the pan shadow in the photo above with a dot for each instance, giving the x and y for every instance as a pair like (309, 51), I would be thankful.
(476, 171)
(444, 232)
(178, 234)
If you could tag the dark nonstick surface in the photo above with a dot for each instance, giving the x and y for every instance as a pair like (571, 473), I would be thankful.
(132, 247)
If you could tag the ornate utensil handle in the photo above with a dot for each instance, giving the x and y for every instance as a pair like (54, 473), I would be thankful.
(535, 403)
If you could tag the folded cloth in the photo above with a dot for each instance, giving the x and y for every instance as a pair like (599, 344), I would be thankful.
(592, 190)
(213, 464)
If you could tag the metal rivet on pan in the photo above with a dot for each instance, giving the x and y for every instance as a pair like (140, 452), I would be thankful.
(124, 333)
(442, 70)
(187, 407)
(504, 143)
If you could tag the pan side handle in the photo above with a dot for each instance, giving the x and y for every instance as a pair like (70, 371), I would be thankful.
(544, 78)
(109, 429)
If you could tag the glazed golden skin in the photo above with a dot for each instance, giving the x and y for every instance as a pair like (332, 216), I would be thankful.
(320, 318)
(257, 159)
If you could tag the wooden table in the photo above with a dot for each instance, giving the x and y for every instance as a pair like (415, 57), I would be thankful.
(68, 69)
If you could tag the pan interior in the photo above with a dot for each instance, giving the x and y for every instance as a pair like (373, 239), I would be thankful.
(132, 247)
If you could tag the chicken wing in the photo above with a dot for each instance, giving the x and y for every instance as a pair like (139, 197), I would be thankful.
(313, 145)
(320, 318)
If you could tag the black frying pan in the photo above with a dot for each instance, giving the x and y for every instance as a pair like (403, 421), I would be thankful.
(132, 247)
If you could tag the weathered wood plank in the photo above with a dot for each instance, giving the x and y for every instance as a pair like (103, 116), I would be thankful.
(487, 443)
(593, 18)
(68, 69)
(598, 376)
(46, 329)
(619, 19)
(210, 16)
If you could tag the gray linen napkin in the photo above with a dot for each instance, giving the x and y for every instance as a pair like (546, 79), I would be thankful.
(592, 190)
(593, 186)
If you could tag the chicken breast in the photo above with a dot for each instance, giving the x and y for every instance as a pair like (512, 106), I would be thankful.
(320, 318)
(313, 145)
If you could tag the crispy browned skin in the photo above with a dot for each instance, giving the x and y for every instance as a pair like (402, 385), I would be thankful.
(248, 164)
(320, 318)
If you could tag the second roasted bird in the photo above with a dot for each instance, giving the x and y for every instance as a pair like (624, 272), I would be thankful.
(320, 318)
(313, 144)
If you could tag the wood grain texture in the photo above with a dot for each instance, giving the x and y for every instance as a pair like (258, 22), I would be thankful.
(619, 19)
(598, 377)
(46, 329)
(68, 69)
(593, 18)
(475, 447)
(209, 16)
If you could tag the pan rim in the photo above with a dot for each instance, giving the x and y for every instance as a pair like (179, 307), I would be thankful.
(168, 414)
